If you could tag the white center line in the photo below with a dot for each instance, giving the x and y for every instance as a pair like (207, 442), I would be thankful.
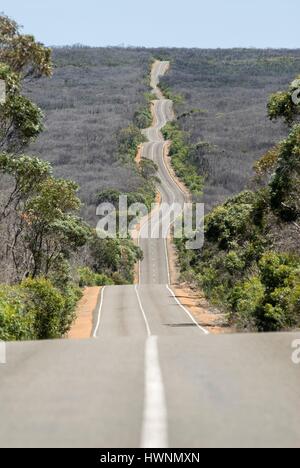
(155, 422)
(142, 310)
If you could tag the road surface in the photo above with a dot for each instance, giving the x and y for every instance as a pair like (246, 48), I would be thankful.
(150, 307)
(151, 377)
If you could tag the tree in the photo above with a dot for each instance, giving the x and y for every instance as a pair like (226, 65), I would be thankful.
(286, 104)
(22, 53)
(115, 257)
(285, 186)
(53, 230)
(26, 173)
(21, 58)
(41, 217)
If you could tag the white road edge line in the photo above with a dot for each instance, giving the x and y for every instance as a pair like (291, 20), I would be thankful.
(99, 314)
(142, 310)
(206, 332)
(170, 176)
(155, 420)
(167, 260)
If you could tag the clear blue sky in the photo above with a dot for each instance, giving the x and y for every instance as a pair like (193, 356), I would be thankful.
(178, 23)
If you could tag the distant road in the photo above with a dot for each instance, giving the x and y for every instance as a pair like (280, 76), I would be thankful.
(152, 377)
(150, 307)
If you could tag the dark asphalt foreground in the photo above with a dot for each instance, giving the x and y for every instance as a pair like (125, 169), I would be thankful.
(151, 377)
(220, 391)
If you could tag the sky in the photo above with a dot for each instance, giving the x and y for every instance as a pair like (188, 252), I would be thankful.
(168, 23)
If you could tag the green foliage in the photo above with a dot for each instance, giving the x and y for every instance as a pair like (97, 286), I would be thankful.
(265, 166)
(47, 305)
(128, 141)
(270, 300)
(176, 98)
(232, 222)
(238, 270)
(12, 80)
(16, 323)
(21, 57)
(245, 300)
(282, 104)
(285, 186)
(27, 171)
(87, 277)
(180, 153)
(21, 52)
(36, 309)
(27, 174)
(43, 213)
(242, 267)
(143, 116)
(52, 228)
(280, 276)
(115, 258)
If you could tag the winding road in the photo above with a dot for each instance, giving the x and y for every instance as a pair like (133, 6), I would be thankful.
(150, 307)
(151, 377)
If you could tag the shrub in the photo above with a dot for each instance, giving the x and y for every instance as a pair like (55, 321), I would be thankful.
(88, 278)
(245, 298)
(47, 305)
(232, 222)
(16, 323)
(280, 308)
(115, 258)
(181, 157)
(285, 186)
(36, 309)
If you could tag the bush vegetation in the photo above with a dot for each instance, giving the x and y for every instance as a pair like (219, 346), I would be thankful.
(224, 104)
(35, 309)
(250, 263)
(48, 251)
(181, 153)
(96, 98)
(95, 106)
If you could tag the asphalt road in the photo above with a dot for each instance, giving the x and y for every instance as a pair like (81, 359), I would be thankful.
(151, 377)
(208, 391)
(125, 310)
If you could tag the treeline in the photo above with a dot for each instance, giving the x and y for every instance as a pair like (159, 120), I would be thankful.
(250, 263)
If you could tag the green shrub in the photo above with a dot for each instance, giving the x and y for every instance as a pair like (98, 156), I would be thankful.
(285, 186)
(233, 262)
(233, 221)
(115, 258)
(88, 278)
(242, 267)
(47, 305)
(180, 153)
(245, 298)
(280, 308)
(16, 323)
(36, 309)
(275, 270)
